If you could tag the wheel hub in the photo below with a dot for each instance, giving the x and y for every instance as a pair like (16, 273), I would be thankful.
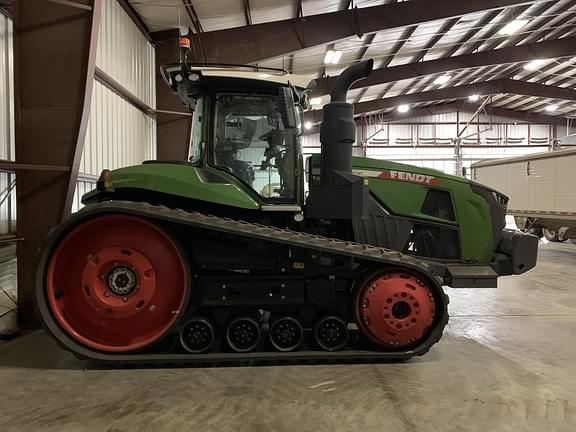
(395, 309)
(121, 281)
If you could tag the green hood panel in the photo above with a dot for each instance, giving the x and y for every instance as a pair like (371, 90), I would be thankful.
(187, 181)
(403, 192)
(402, 189)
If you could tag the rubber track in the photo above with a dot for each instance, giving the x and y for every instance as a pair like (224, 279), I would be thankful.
(251, 230)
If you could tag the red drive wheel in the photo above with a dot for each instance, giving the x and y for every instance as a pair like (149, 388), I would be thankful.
(116, 283)
(395, 309)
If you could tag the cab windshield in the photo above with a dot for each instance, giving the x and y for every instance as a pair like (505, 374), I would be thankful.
(250, 141)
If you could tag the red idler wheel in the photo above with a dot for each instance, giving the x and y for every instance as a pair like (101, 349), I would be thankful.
(394, 309)
(116, 283)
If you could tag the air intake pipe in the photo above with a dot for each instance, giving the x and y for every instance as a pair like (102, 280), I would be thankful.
(338, 130)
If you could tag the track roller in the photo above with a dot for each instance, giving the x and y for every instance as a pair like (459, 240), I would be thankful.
(243, 334)
(395, 309)
(331, 333)
(197, 335)
(286, 334)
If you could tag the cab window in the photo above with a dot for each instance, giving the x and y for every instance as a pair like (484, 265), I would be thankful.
(250, 142)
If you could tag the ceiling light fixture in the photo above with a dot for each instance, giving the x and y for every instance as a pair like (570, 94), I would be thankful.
(403, 108)
(474, 98)
(551, 108)
(512, 27)
(534, 64)
(442, 79)
(332, 57)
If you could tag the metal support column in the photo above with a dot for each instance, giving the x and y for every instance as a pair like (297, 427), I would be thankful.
(55, 54)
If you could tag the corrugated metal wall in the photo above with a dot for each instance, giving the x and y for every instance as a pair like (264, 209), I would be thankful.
(6, 90)
(7, 181)
(119, 134)
(429, 141)
(125, 54)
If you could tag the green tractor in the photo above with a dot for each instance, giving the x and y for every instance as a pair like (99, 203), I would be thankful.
(247, 252)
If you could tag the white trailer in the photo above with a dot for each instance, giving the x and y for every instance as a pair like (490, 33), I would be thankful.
(541, 188)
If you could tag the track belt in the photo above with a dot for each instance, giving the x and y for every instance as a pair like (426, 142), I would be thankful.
(301, 240)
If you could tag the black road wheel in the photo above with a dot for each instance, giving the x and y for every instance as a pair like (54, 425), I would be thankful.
(243, 334)
(197, 335)
(331, 333)
(550, 234)
(286, 334)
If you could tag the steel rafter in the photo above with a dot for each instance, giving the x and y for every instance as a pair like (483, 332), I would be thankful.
(486, 88)
(257, 42)
(517, 54)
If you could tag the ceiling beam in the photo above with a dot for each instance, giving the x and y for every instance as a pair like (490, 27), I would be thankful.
(247, 13)
(485, 88)
(458, 92)
(395, 116)
(193, 16)
(452, 107)
(517, 54)
(258, 42)
(468, 107)
(445, 28)
(489, 37)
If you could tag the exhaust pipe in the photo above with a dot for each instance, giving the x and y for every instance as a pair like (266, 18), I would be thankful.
(338, 130)
(348, 77)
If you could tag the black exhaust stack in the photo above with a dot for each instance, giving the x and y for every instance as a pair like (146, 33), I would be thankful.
(339, 195)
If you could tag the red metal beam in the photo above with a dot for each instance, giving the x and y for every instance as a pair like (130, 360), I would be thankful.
(257, 42)
(517, 54)
(53, 89)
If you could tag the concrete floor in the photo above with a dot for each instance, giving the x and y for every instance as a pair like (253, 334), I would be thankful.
(507, 363)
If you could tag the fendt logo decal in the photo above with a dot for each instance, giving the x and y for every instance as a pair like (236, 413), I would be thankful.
(410, 177)
(400, 176)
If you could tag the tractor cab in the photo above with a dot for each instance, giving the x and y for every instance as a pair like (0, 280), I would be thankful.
(246, 124)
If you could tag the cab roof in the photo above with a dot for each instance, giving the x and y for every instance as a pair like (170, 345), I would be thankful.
(273, 76)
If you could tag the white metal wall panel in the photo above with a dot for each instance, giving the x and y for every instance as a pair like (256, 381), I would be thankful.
(125, 54)
(82, 187)
(7, 202)
(7, 152)
(6, 89)
(118, 133)
(8, 284)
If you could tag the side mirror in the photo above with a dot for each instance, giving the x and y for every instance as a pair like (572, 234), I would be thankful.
(286, 107)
